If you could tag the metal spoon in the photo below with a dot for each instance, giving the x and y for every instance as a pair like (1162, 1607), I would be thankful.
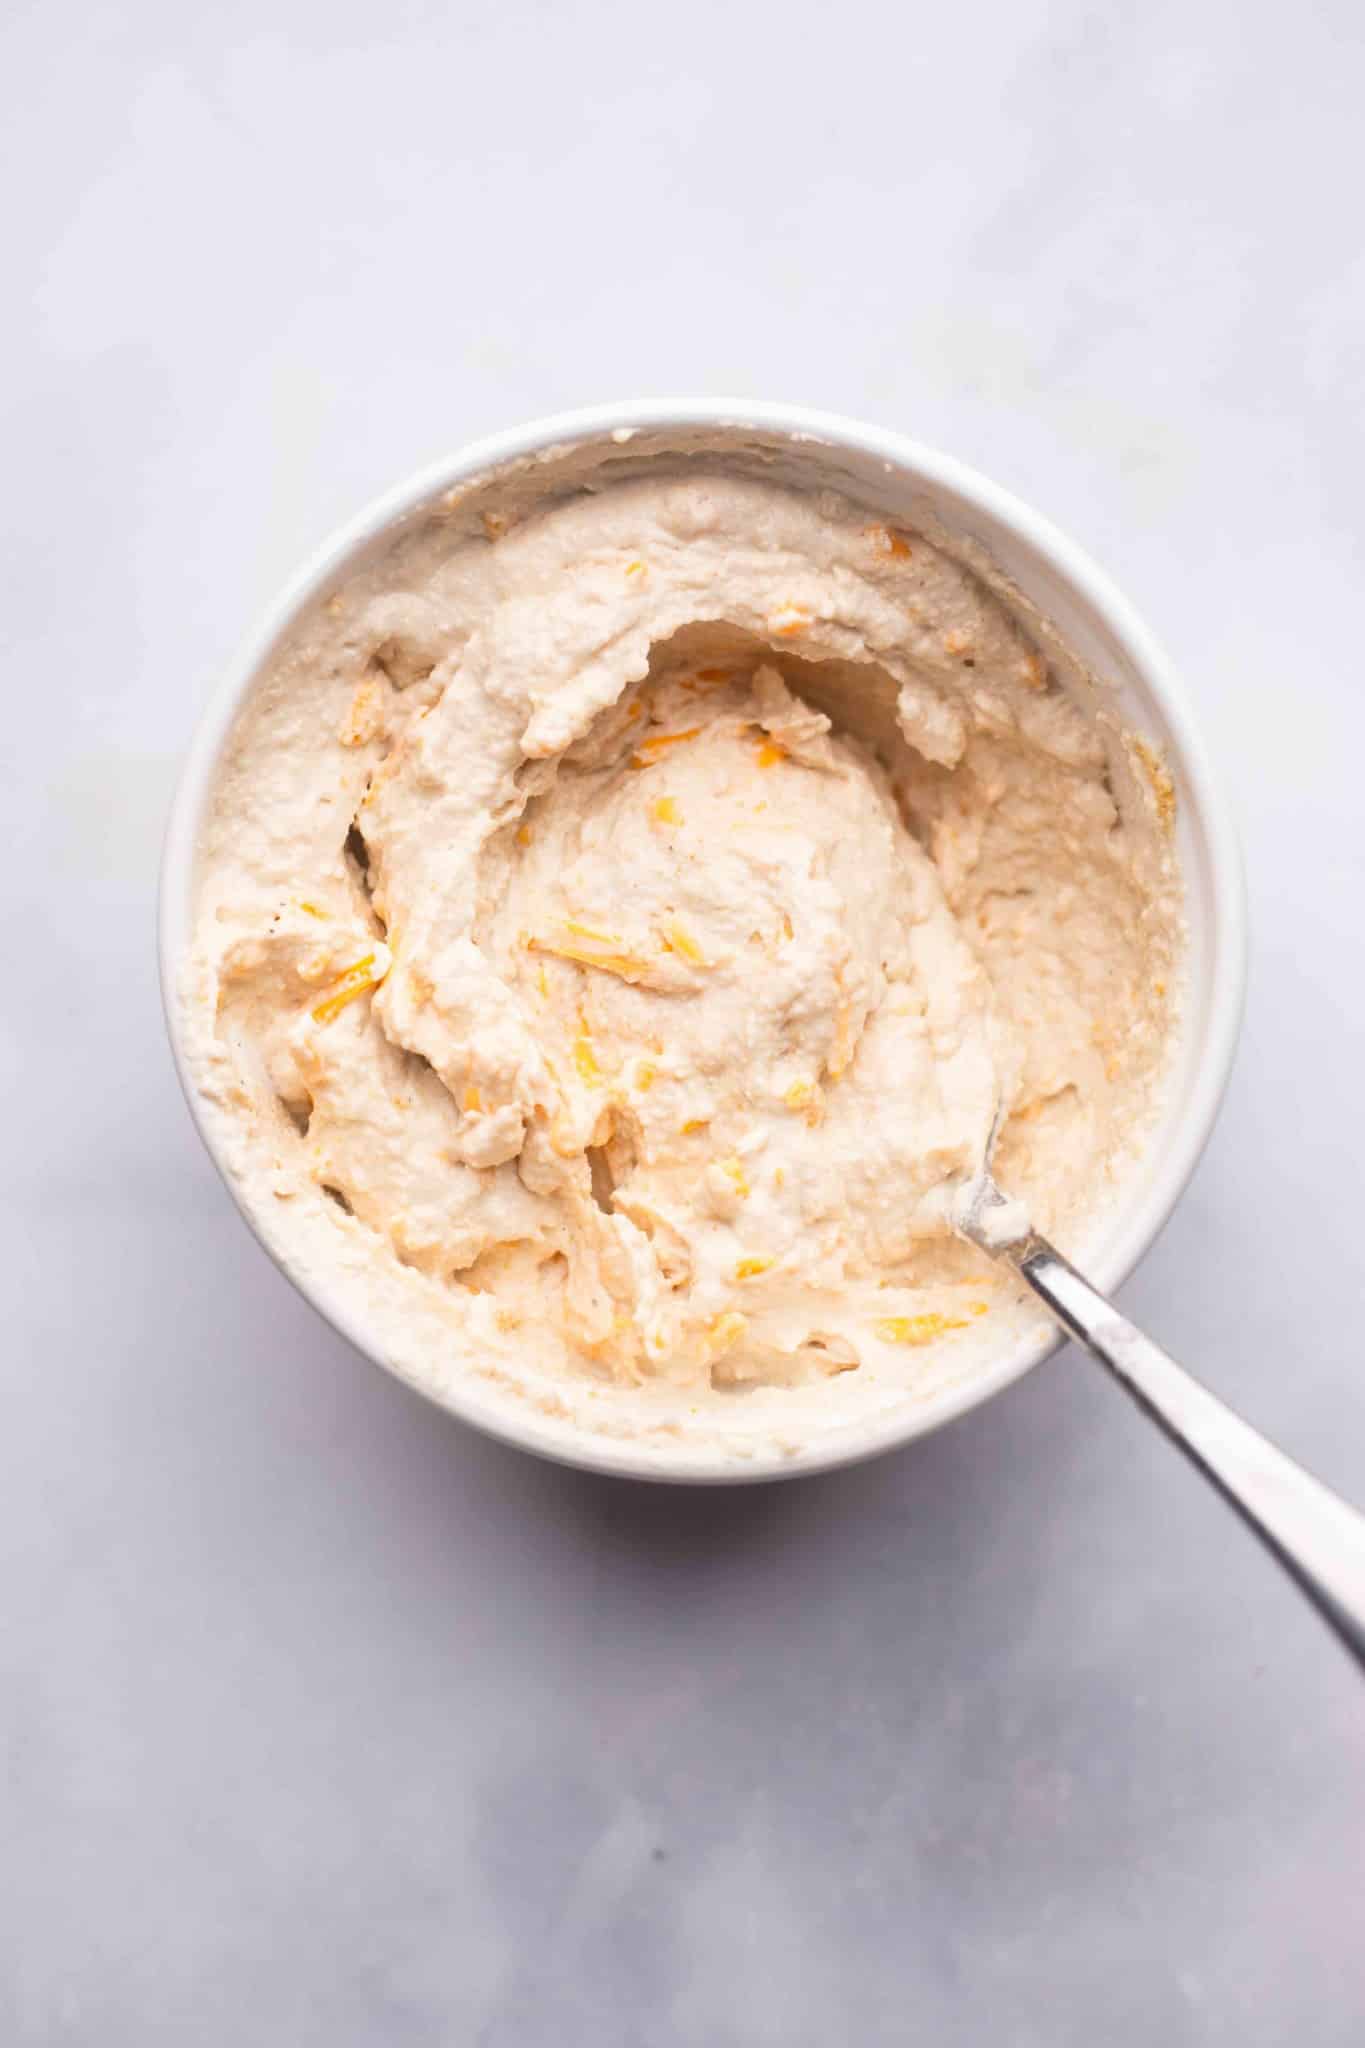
(1318, 1539)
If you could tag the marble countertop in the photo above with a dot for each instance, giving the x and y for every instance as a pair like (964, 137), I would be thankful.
(325, 1721)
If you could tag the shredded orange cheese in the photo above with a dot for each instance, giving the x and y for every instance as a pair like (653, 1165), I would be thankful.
(356, 981)
(748, 1269)
(921, 1329)
(646, 1074)
(770, 753)
(586, 946)
(726, 1331)
(733, 1169)
(471, 1100)
(649, 750)
(313, 911)
(888, 542)
(623, 965)
(664, 811)
(677, 939)
(584, 1058)
(787, 620)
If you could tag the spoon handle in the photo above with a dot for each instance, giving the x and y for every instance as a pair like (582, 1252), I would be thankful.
(1318, 1539)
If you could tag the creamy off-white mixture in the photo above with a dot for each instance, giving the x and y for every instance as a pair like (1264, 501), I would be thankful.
(619, 925)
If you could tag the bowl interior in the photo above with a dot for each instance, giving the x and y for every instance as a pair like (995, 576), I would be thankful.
(918, 488)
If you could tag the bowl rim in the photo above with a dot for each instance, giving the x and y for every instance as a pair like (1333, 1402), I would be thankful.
(1135, 1229)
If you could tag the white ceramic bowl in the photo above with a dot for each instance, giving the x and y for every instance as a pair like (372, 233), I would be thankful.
(907, 482)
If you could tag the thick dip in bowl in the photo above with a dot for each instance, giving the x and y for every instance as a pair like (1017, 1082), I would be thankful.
(631, 873)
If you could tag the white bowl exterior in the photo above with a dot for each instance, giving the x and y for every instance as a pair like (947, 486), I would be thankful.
(1098, 625)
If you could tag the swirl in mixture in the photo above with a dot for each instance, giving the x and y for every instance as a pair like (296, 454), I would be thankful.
(633, 921)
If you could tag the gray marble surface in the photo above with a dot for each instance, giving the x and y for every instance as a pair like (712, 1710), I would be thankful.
(326, 1722)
